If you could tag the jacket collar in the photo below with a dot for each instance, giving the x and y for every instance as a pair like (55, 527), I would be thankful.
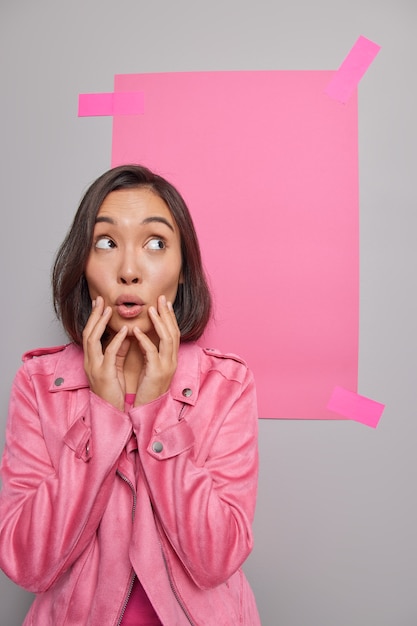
(69, 372)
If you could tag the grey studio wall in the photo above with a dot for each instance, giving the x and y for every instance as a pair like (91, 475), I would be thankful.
(335, 531)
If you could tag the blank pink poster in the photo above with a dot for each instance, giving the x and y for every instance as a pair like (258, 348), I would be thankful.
(268, 164)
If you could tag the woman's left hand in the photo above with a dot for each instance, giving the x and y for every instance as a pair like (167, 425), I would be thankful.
(160, 362)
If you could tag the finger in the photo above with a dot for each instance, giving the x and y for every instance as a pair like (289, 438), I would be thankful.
(165, 319)
(94, 330)
(117, 347)
(97, 311)
(145, 343)
(167, 313)
(166, 310)
(168, 341)
(92, 337)
(170, 335)
(174, 322)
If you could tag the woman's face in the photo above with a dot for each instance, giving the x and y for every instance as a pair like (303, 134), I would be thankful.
(135, 256)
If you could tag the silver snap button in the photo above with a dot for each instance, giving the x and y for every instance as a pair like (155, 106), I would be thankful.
(157, 446)
(187, 392)
(58, 382)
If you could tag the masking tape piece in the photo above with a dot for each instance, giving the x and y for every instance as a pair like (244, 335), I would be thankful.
(347, 77)
(123, 103)
(355, 407)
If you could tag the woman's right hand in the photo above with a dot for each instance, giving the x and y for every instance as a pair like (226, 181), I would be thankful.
(105, 369)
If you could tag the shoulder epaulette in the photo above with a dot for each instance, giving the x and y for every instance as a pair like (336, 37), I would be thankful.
(224, 355)
(42, 352)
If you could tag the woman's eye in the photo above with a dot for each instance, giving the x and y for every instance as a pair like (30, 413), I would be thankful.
(155, 244)
(105, 243)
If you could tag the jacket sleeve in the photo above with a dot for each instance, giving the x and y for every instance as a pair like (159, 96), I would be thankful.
(204, 498)
(49, 511)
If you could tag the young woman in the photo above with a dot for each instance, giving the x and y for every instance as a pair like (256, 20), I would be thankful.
(130, 467)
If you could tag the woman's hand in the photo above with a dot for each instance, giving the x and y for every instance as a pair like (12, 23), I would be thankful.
(105, 369)
(160, 362)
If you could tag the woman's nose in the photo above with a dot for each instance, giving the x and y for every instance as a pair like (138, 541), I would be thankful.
(126, 280)
(129, 271)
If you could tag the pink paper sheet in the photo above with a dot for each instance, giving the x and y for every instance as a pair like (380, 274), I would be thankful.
(268, 165)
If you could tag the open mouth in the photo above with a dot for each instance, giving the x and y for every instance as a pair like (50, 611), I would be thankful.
(129, 309)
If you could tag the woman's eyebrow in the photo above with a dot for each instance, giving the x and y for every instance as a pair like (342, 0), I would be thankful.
(102, 218)
(157, 218)
(147, 220)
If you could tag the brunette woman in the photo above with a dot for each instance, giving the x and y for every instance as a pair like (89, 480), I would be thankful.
(130, 467)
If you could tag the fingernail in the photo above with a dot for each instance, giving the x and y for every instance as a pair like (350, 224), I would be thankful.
(169, 305)
(163, 300)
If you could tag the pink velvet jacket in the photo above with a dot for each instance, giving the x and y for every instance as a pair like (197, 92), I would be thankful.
(74, 521)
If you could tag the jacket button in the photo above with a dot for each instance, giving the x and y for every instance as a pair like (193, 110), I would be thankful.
(157, 446)
(187, 392)
(58, 381)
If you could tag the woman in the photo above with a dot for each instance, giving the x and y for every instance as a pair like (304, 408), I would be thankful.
(130, 467)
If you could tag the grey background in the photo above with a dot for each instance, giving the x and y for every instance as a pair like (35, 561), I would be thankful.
(336, 522)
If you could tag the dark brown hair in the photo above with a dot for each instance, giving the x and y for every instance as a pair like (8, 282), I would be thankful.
(71, 297)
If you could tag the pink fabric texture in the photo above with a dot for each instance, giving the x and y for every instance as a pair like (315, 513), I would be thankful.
(139, 611)
(75, 522)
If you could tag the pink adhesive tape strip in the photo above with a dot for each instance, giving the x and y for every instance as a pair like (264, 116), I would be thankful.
(355, 407)
(123, 103)
(347, 77)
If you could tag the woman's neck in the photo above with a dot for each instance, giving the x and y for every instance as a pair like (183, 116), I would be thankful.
(133, 366)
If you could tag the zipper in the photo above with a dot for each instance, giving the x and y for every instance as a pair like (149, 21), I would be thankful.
(125, 603)
(170, 579)
(129, 483)
(173, 587)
